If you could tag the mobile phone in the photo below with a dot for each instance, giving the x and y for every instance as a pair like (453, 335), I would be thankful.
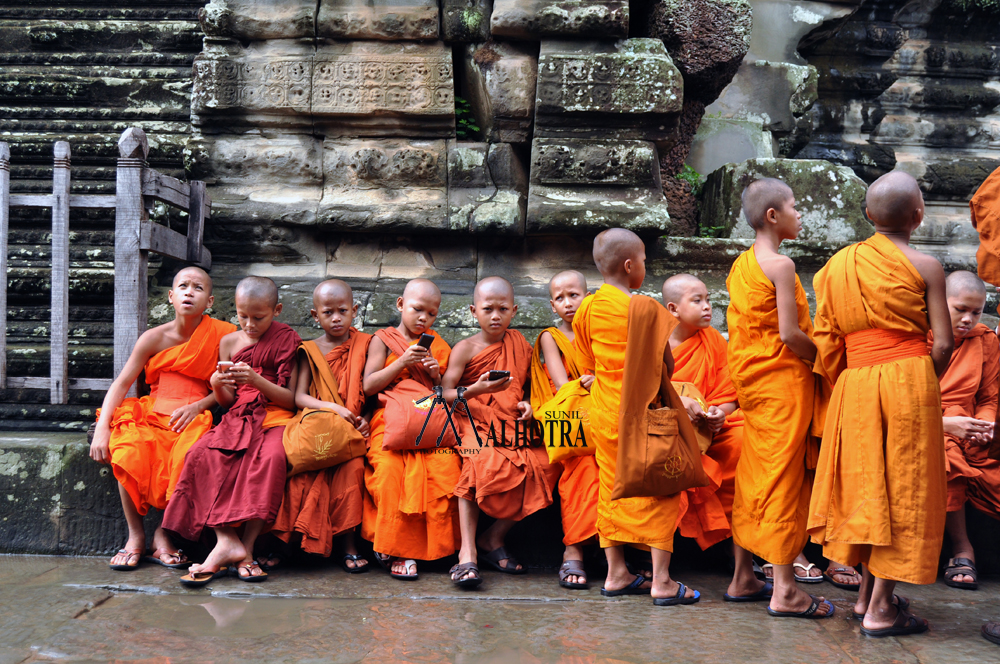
(497, 375)
(426, 340)
(224, 366)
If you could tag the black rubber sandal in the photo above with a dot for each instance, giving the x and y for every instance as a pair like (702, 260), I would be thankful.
(808, 613)
(679, 598)
(633, 588)
(961, 567)
(494, 557)
(900, 602)
(572, 568)
(903, 624)
(355, 558)
(460, 570)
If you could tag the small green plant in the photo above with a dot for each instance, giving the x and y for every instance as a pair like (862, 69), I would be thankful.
(992, 6)
(466, 128)
(693, 178)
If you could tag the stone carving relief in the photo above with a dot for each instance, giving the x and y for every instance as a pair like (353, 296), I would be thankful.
(354, 19)
(537, 19)
(626, 163)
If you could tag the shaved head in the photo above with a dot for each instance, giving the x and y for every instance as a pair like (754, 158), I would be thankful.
(676, 286)
(422, 288)
(332, 288)
(762, 195)
(493, 287)
(614, 246)
(961, 282)
(257, 289)
(893, 199)
(565, 276)
(194, 270)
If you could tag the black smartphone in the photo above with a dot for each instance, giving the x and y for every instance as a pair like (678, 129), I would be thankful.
(425, 340)
(497, 375)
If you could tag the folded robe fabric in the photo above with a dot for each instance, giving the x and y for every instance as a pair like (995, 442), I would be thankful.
(509, 476)
(881, 489)
(236, 471)
(146, 455)
(985, 209)
(323, 504)
(601, 330)
(410, 510)
(776, 390)
(577, 480)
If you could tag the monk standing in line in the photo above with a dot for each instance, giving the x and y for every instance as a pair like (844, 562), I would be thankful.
(509, 476)
(410, 509)
(145, 440)
(235, 474)
(881, 486)
(601, 327)
(577, 475)
(770, 363)
(328, 503)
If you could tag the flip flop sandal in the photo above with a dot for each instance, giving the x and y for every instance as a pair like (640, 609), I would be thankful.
(807, 578)
(631, 589)
(355, 558)
(758, 571)
(385, 562)
(761, 595)
(268, 566)
(961, 567)
(808, 613)
(494, 557)
(156, 560)
(679, 598)
(764, 570)
(250, 577)
(991, 632)
(572, 568)
(125, 567)
(830, 573)
(903, 624)
(460, 570)
(900, 602)
(407, 562)
(200, 579)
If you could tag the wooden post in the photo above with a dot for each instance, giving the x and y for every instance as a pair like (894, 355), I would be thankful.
(4, 230)
(59, 326)
(196, 221)
(131, 263)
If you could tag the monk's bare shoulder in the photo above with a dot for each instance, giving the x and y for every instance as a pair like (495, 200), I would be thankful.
(156, 340)
(928, 266)
(463, 351)
(776, 267)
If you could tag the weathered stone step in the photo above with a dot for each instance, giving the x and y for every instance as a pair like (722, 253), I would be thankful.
(32, 284)
(85, 360)
(41, 312)
(45, 36)
(20, 332)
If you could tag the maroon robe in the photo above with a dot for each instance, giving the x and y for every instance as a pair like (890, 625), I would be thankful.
(236, 471)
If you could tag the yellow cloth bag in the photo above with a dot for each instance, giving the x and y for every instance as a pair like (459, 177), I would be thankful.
(565, 422)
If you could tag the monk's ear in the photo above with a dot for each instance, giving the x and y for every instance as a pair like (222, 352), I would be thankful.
(399, 303)
(211, 301)
(315, 315)
(552, 303)
(514, 310)
(672, 308)
(354, 311)
(472, 308)
(771, 216)
(277, 309)
(627, 266)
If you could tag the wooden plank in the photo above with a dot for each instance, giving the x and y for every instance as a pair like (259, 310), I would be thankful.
(31, 200)
(131, 262)
(90, 201)
(196, 221)
(162, 240)
(4, 230)
(59, 328)
(165, 188)
(25, 382)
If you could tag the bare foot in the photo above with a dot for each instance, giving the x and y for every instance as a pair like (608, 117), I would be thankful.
(399, 567)
(226, 552)
(130, 554)
(793, 600)
(669, 589)
(740, 587)
(165, 551)
(248, 568)
(618, 582)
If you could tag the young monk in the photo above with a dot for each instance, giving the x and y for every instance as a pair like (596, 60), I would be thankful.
(881, 487)
(410, 511)
(235, 474)
(145, 440)
(601, 327)
(321, 505)
(770, 363)
(508, 477)
(577, 475)
(969, 390)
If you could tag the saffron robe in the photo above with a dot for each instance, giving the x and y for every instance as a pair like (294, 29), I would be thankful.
(509, 477)
(236, 471)
(577, 476)
(601, 330)
(146, 456)
(969, 388)
(985, 209)
(775, 389)
(881, 487)
(707, 512)
(323, 504)
(410, 510)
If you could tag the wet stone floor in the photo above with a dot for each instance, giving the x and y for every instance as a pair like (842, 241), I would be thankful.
(77, 610)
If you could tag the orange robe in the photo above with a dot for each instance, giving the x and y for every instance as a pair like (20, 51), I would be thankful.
(146, 456)
(325, 503)
(775, 390)
(881, 487)
(577, 475)
(509, 477)
(969, 388)
(985, 209)
(707, 512)
(601, 330)
(410, 511)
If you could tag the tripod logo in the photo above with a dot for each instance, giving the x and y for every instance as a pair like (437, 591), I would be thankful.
(437, 399)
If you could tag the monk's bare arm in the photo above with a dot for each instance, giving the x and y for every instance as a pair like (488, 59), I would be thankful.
(377, 376)
(305, 400)
(553, 360)
(223, 385)
(937, 310)
(460, 356)
(781, 271)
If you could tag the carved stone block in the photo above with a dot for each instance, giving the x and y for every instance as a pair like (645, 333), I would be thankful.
(500, 80)
(382, 19)
(538, 19)
(580, 185)
(464, 21)
(487, 188)
(251, 20)
(628, 89)
(345, 88)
